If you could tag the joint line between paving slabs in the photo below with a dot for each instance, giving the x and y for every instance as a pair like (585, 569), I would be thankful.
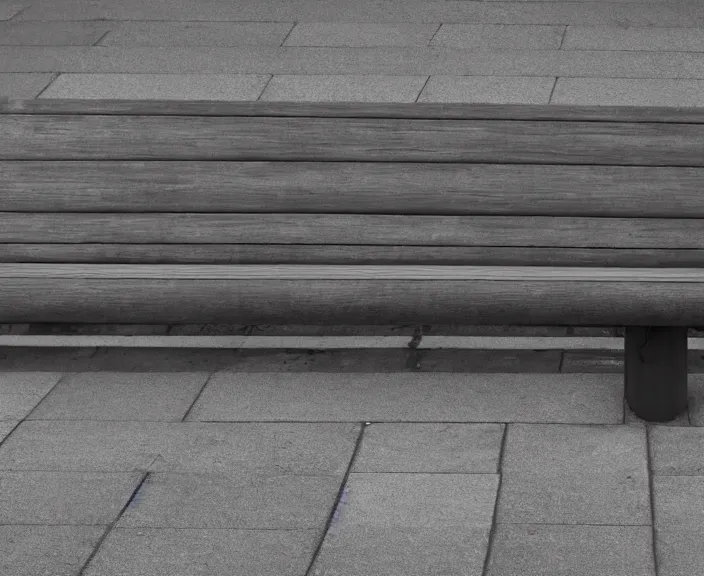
(492, 531)
(340, 493)
(649, 463)
(112, 524)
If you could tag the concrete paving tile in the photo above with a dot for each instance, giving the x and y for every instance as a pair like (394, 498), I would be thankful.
(172, 552)
(360, 35)
(46, 550)
(349, 360)
(159, 360)
(677, 501)
(680, 551)
(35, 384)
(121, 396)
(52, 33)
(323, 449)
(20, 85)
(574, 475)
(445, 448)
(8, 10)
(158, 86)
(234, 500)
(6, 427)
(628, 92)
(489, 361)
(271, 396)
(695, 396)
(488, 89)
(64, 497)
(16, 358)
(655, 39)
(197, 34)
(498, 37)
(344, 88)
(405, 61)
(677, 451)
(518, 550)
(16, 406)
(402, 551)
(611, 361)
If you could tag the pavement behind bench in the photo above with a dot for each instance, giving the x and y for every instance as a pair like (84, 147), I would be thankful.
(129, 462)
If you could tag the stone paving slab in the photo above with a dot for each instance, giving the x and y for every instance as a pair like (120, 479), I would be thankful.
(439, 448)
(234, 500)
(343, 88)
(179, 447)
(9, 10)
(574, 475)
(21, 85)
(677, 501)
(64, 497)
(655, 39)
(628, 92)
(6, 427)
(406, 61)
(498, 37)
(197, 33)
(488, 89)
(679, 551)
(121, 396)
(518, 550)
(172, 552)
(52, 33)
(44, 359)
(20, 392)
(360, 35)
(271, 396)
(46, 550)
(677, 451)
(228, 87)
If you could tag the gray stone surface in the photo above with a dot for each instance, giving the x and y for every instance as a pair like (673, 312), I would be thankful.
(636, 38)
(579, 398)
(10, 9)
(628, 92)
(593, 361)
(498, 37)
(357, 361)
(6, 427)
(446, 448)
(16, 406)
(677, 501)
(360, 35)
(324, 88)
(64, 497)
(518, 550)
(631, 419)
(410, 524)
(695, 399)
(233, 500)
(679, 551)
(574, 475)
(121, 396)
(179, 447)
(157, 86)
(677, 450)
(489, 361)
(20, 85)
(16, 358)
(207, 329)
(405, 61)
(20, 392)
(90, 329)
(171, 552)
(197, 34)
(46, 550)
(160, 360)
(52, 33)
(488, 89)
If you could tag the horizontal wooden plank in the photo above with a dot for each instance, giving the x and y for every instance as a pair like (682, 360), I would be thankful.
(55, 137)
(346, 255)
(353, 229)
(346, 187)
(303, 272)
(323, 302)
(356, 110)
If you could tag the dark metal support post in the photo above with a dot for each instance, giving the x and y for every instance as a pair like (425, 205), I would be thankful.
(656, 371)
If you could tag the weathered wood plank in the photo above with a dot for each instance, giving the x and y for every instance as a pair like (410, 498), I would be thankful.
(460, 111)
(530, 231)
(353, 302)
(302, 272)
(344, 187)
(55, 137)
(347, 255)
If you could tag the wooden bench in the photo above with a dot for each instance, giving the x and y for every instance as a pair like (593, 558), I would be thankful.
(256, 212)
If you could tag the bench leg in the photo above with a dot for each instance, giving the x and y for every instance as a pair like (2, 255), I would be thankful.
(656, 371)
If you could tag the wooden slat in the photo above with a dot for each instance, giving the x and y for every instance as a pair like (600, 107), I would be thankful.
(287, 272)
(356, 110)
(344, 187)
(323, 302)
(55, 137)
(347, 255)
(353, 229)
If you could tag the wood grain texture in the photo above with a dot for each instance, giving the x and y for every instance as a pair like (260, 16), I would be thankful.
(55, 137)
(345, 187)
(353, 229)
(370, 302)
(347, 255)
(303, 272)
(356, 110)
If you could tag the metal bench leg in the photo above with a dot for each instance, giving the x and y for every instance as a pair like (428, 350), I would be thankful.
(656, 371)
